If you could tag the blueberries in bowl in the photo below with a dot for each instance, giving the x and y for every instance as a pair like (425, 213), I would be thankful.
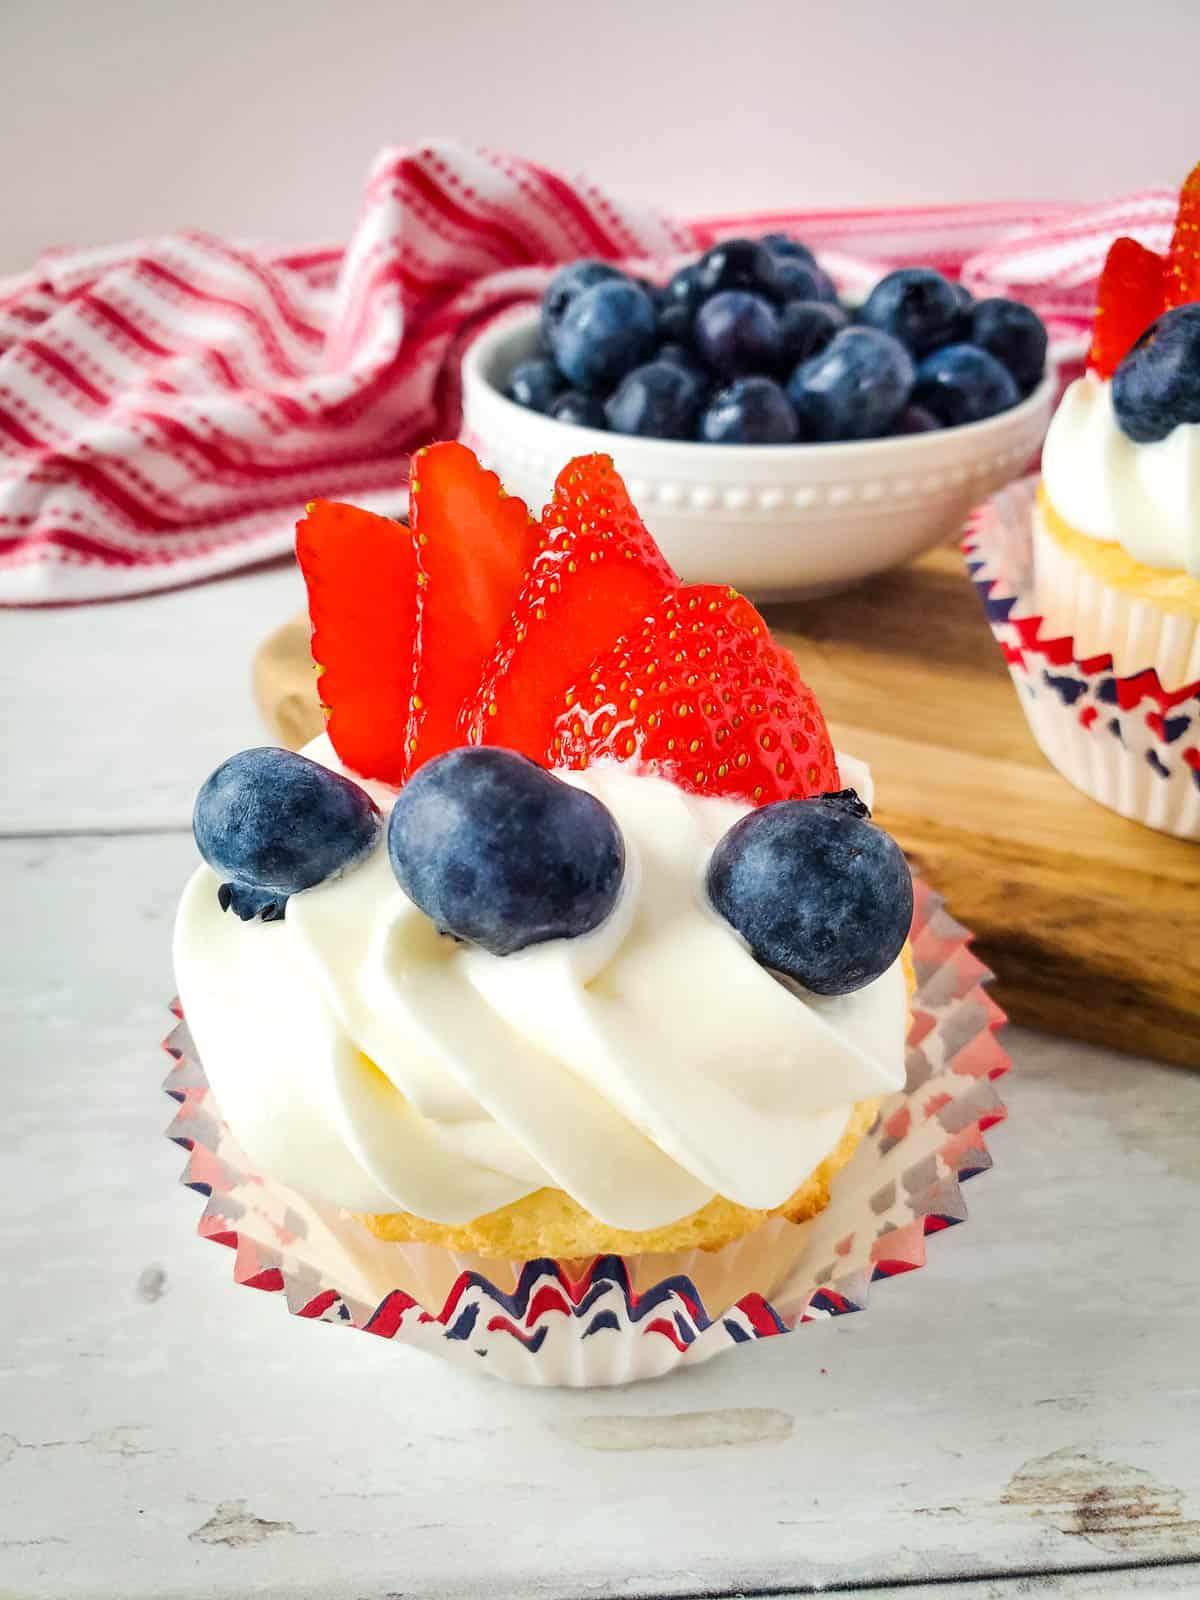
(1015, 335)
(605, 331)
(765, 352)
(657, 401)
(737, 332)
(961, 383)
(535, 384)
(855, 389)
(750, 411)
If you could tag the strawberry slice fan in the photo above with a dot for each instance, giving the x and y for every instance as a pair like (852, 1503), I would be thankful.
(1137, 285)
(568, 640)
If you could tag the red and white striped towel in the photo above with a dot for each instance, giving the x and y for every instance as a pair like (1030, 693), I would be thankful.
(167, 406)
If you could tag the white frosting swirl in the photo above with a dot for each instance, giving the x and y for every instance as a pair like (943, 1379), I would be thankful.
(643, 1068)
(1145, 497)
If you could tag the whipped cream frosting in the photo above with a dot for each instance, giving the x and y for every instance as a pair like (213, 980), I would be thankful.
(1145, 497)
(360, 1056)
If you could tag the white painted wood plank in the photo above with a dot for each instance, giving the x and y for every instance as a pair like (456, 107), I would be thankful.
(113, 715)
(1030, 1400)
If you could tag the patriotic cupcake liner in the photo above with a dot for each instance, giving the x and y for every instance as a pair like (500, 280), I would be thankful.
(617, 1319)
(1125, 740)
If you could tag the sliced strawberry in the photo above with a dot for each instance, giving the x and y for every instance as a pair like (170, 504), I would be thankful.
(1129, 299)
(699, 694)
(1183, 256)
(474, 544)
(361, 573)
(597, 574)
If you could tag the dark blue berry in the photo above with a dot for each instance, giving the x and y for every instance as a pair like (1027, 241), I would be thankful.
(915, 305)
(500, 853)
(273, 823)
(915, 419)
(826, 288)
(820, 894)
(1157, 385)
(806, 327)
(566, 283)
(737, 332)
(535, 384)
(749, 411)
(1013, 334)
(779, 244)
(961, 383)
(683, 356)
(738, 264)
(795, 280)
(657, 401)
(604, 333)
(855, 389)
(654, 292)
(582, 410)
(674, 323)
(966, 310)
(684, 289)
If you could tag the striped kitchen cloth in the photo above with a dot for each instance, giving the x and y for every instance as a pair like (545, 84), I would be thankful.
(167, 406)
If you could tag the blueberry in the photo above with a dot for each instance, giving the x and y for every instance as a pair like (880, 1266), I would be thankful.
(737, 264)
(684, 289)
(749, 411)
(682, 356)
(1157, 385)
(534, 384)
(502, 854)
(738, 332)
(856, 387)
(915, 305)
(779, 244)
(582, 410)
(915, 419)
(966, 310)
(653, 291)
(826, 288)
(273, 823)
(794, 280)
(604, 333)
(657, 401)
(1013, 334)
(961, 383)
(674, 322)
(820, 894)
(566, 283)
(806, 327)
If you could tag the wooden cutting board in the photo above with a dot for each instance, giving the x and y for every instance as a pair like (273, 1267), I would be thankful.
(1091, 923)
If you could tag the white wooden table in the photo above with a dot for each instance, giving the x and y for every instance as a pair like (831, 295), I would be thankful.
(1021, 1417)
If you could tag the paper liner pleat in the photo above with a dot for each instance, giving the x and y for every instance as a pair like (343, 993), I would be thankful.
(612, 1319)
(1115, 707)
(1101, 619)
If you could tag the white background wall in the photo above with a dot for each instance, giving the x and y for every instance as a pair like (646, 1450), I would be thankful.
(259, 117)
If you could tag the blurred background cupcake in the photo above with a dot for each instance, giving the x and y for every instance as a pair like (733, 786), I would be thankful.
(1092, 580)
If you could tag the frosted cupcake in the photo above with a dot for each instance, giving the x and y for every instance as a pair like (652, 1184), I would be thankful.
(572, 936)
(1117, 523)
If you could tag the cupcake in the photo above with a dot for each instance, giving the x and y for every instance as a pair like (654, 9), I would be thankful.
(571, 937)
(1100, 614)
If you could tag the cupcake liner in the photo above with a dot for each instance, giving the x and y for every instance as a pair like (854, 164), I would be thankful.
(615, 1319)
(1124, 739)
(1102, 619)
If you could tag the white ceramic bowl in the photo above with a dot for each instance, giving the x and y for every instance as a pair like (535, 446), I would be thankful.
(777, 521)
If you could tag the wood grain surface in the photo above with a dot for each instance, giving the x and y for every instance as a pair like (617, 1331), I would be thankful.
(1091, 923)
